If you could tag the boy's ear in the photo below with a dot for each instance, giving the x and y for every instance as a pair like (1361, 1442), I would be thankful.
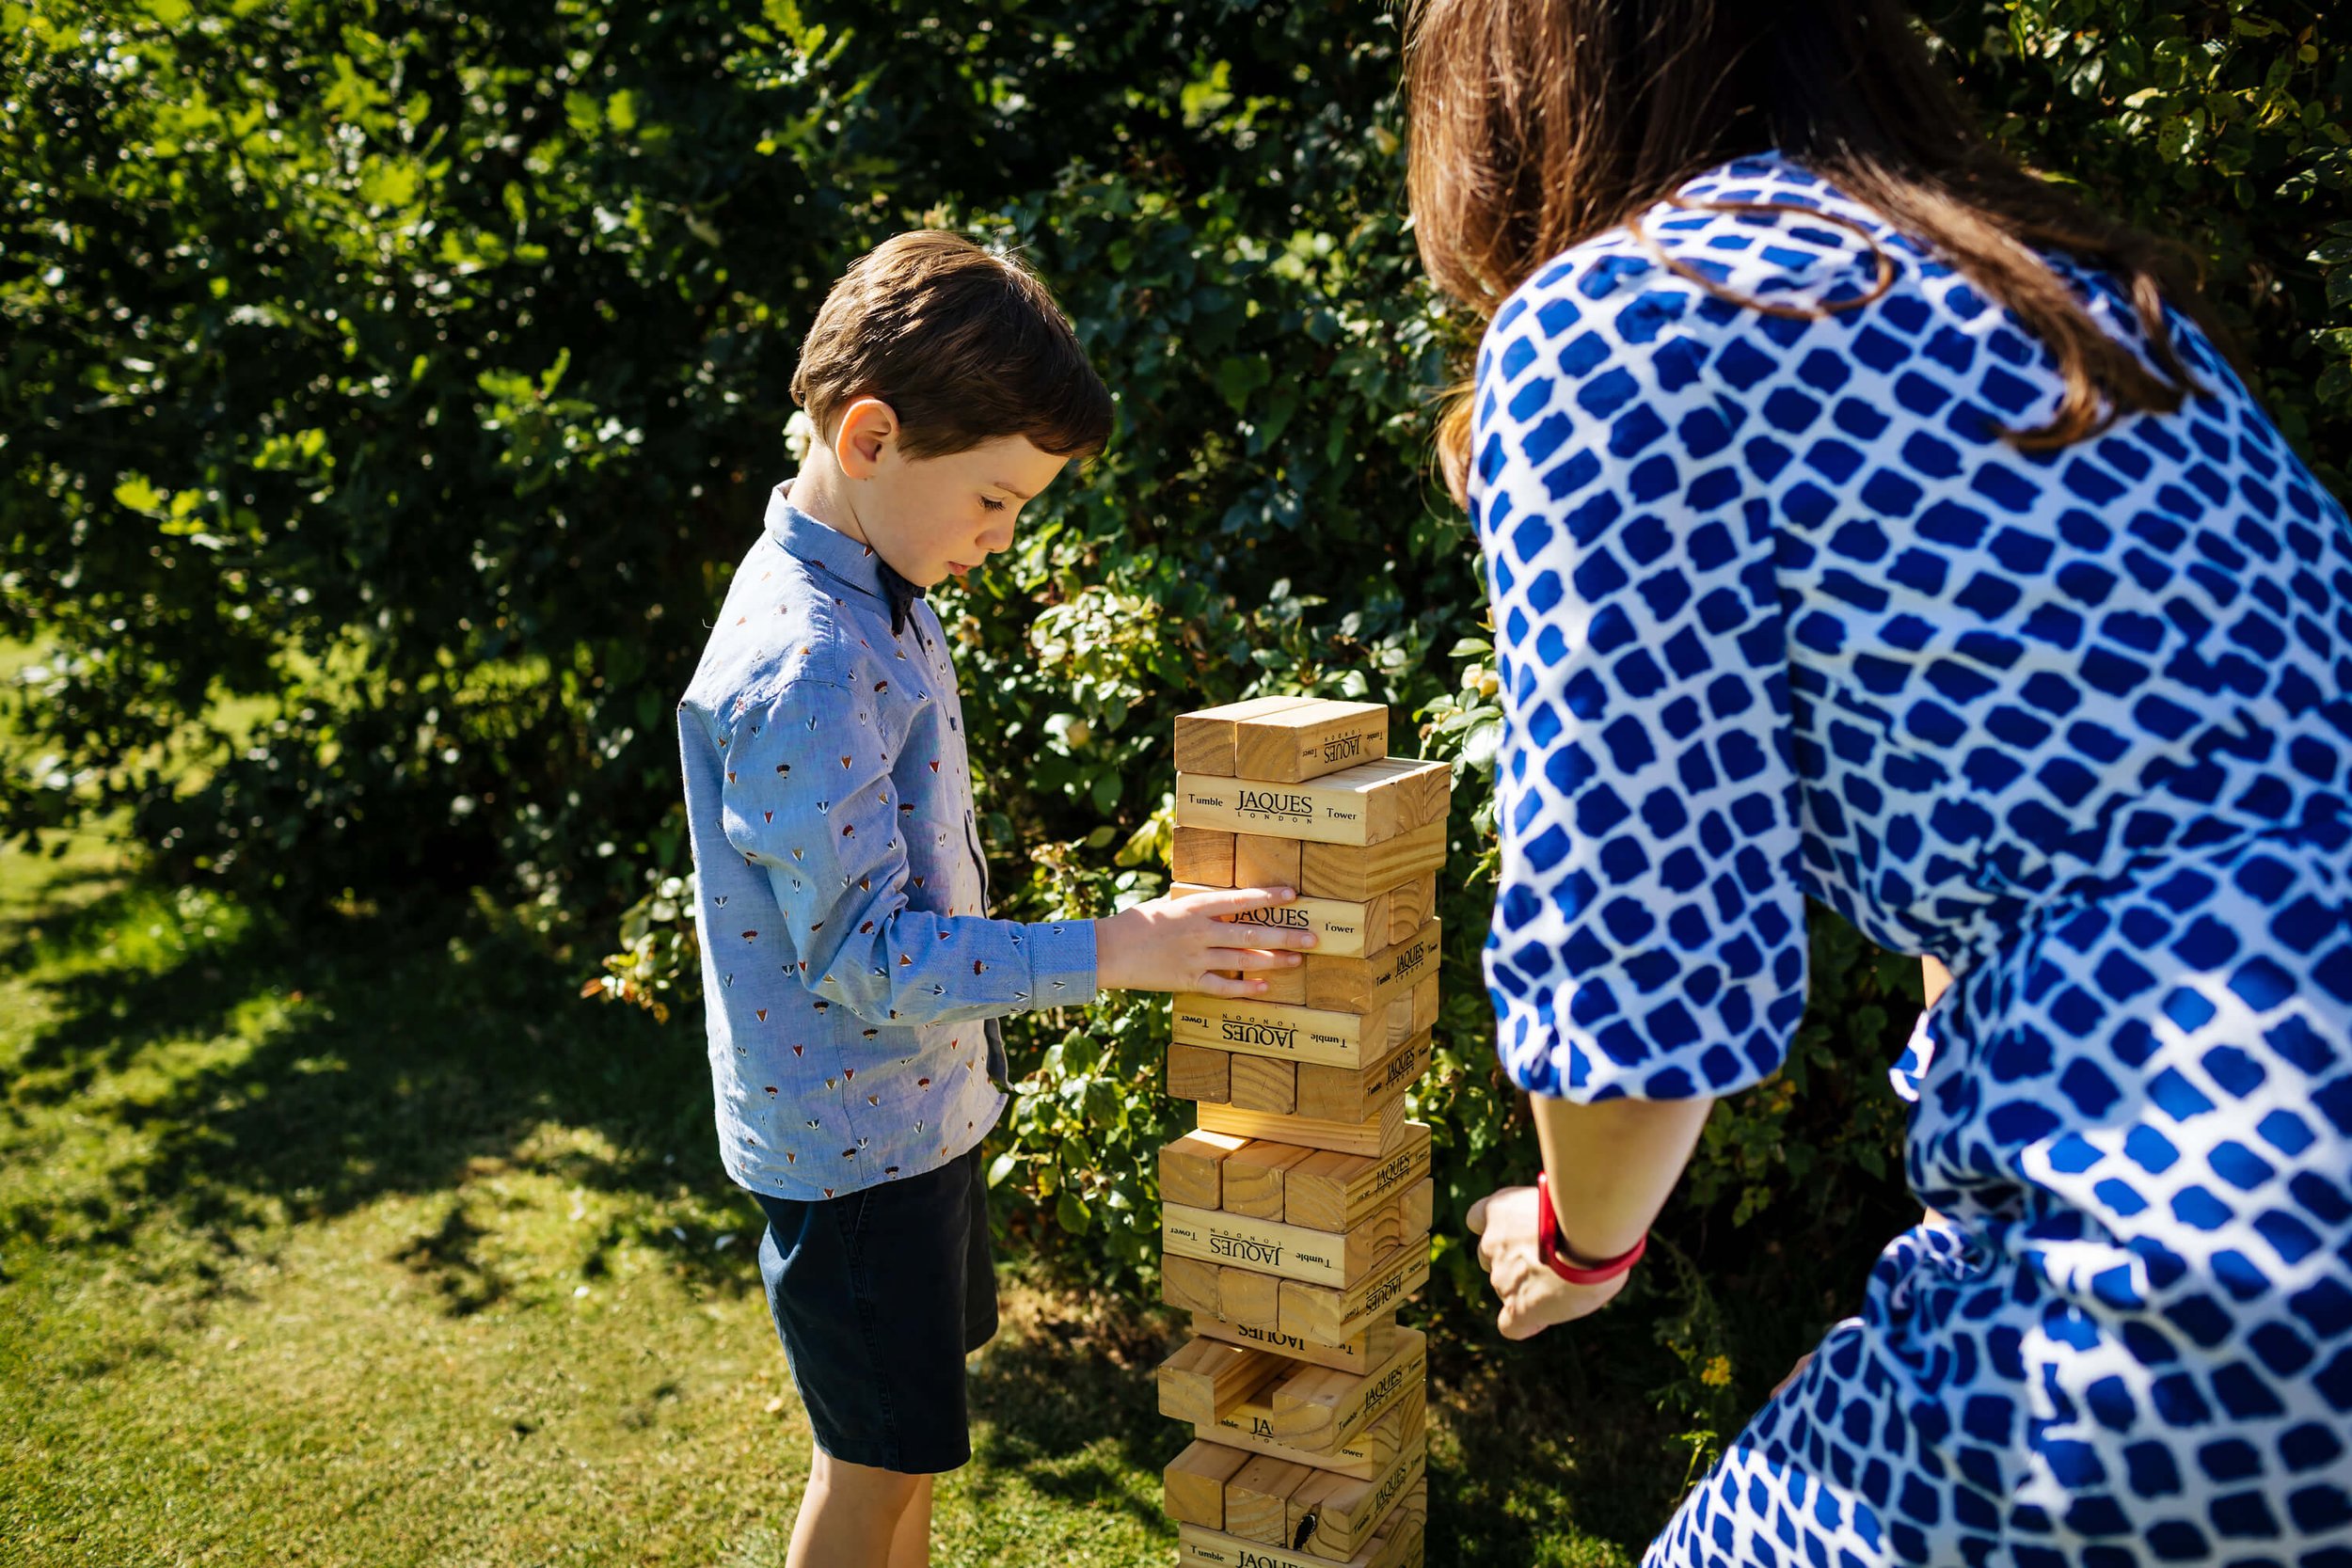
(867, 427)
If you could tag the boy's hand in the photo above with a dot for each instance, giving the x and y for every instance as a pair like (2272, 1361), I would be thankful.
(1181, 943)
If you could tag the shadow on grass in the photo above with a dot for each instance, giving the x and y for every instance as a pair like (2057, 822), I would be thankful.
(1047, 1391)
(288, 1075)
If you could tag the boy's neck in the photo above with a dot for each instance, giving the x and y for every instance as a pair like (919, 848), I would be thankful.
(816, 490)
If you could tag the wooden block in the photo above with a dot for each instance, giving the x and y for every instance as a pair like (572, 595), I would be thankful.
(1199, 1072)
(1284, 987)
(1191, 1284)
(1203, 857)
(1356, 1094)
(1358, 985)
(1409, 904)
(1329, 1314)
(1364, 805)
(1205, 1378)
(1197, 1548)
(1292, 745)
(1379, 1135)
(1263, 862)
(1189, 1168)
(1250, 1425)
(1270, 1246)
(1424, 1006)
(1262, 1084)
(1418, 1209)
(1336, 871)
(1204, 740)
(1336, 1192)
(1290, 1033)
(1257, 1499)
(1323, 1408)
(1336, 1516)
(1361, 984)
(1254, 1179)
(1247, 1296)
(1343, 929)
(1193, 1485)
(1358, 1354)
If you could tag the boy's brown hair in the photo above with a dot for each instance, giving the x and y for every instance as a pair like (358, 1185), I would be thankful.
(965, 346)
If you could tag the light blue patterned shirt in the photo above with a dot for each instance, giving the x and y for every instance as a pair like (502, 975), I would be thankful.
(851, 976)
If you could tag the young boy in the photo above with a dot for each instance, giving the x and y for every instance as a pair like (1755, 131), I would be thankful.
(852, 975)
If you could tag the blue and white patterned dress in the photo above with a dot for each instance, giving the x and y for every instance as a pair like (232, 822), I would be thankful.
(1781, 614)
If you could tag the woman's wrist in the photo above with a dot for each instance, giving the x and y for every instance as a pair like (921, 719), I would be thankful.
(1558, 1255)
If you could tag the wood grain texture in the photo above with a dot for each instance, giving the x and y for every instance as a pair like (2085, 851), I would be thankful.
(1262, 1084)
(1203, 857)
(1336, 1516)
(1248, 1297)
(1358, 1355)
(1190, 1168)
(1363, 806)
(1335, 1192)
(1339, 871)
(1285, 1032)
(1193, 1485)
(1263, 862)
(1291, 1251)
(1333, 1313)
(1205, 1378)
(1379, 1135)
(1199, 1072)
(1192, 1285)
(1358, 1094)
(1408, 905)
(1292, 745)
(1364, 1456)
(1204, 740)
(1255, 1177)
(1257, 1498)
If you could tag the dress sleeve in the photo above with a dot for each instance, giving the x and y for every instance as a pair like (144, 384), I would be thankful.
(1648, 937)
(827, 830)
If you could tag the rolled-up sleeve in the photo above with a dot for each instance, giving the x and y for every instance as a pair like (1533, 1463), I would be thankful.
(1648, 937)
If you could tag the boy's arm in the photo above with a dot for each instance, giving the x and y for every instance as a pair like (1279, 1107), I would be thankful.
(809, 797)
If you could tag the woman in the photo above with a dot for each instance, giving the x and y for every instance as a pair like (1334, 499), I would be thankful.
(1864, 519)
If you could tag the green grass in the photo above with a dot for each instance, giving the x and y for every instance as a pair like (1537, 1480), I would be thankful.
(372, 1243)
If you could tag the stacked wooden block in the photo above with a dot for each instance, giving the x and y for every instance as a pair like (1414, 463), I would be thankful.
(1296, 1219)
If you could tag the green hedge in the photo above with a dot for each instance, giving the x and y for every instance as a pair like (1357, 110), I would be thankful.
(419, 369)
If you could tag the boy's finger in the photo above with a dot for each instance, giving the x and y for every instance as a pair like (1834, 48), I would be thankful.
(1269, 937)
(1476, 1219)
(1251, 957)
(1226, 985)
(1237, 900)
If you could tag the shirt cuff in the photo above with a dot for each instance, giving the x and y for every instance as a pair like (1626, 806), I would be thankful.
(1061, 964)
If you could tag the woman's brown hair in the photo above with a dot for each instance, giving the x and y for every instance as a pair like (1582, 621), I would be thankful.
(1539, 123)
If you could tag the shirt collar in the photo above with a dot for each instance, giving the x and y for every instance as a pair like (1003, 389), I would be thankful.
(801, 534)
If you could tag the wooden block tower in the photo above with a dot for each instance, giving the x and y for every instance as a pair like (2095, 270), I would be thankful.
(1296, 1219)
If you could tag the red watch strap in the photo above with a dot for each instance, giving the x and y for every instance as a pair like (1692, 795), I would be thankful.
(1548, 1243)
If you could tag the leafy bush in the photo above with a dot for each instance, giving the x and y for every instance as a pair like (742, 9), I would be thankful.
(419, 369)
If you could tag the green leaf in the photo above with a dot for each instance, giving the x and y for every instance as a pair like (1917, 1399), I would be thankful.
(1237, 377)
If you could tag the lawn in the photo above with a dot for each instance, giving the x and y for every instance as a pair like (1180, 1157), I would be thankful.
(368, 1241)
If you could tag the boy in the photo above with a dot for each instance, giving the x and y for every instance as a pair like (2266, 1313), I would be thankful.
(852, 975)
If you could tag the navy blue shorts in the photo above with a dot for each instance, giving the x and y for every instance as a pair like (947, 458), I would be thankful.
(879, 1295)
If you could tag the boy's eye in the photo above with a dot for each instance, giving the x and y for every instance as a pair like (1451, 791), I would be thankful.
(991, 504)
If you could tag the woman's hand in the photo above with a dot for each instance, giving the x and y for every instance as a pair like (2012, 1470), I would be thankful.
(1533, 1297)
(1182, 944)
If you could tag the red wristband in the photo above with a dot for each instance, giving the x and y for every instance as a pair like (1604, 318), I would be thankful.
(1548, 1244)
